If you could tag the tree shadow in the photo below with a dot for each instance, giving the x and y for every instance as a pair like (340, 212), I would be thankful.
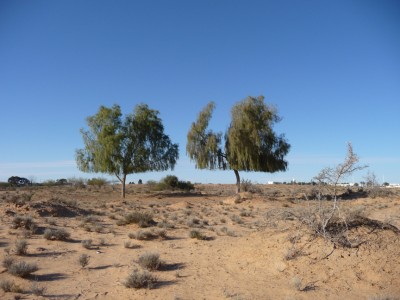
(62, 296)
(173, 238)
(49, 277)
(100, 267)
(46, 254)
(172, 267)
(164, 283)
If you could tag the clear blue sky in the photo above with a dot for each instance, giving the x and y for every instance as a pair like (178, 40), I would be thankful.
(331, 67)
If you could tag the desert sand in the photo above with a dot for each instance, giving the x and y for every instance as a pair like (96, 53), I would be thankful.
(253, 247)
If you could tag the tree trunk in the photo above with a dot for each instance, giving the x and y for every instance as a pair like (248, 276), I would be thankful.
(237, 181)
(123, 186)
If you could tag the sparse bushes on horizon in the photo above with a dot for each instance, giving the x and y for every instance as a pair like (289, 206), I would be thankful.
(248, 186)
(97, 181)
(171, 182)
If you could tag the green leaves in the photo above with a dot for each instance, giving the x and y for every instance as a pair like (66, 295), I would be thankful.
(120, 147)
(203, 146)
(250, 142)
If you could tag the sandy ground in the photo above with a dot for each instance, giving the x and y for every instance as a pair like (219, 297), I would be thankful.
(250, 250)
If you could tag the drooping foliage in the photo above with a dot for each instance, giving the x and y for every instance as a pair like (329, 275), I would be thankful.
(250, 142)
(203, 145)
(120, 147)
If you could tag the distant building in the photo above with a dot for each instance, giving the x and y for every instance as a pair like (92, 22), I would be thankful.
(393, 185)
(346, 184)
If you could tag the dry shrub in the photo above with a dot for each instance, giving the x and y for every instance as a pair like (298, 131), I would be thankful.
(142, 235)
(292, 253)
(37, 290)
(21, 247)
(9, 286)
(56, 234)
(150, 261)
(129, 245)
(25, 222)
(87, 244)
(248, 186)
(193, 222)
(334, 225)
(143, 219)
(83, 260)
(140, 279)
(7, 262)
(196, 234)
(22, 269)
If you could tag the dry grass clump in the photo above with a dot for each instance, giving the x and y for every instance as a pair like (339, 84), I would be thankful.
(248, 186)
(87, 244)
(146, 235)
(9, 286)
(91, 223)
(129, 245)
(193, 222)
(51, 221)
(140, 279)
(142, 235)
(7, 262)
(21, 247)
(64, 202)
(150, 261)
(196, 234)
(292, 253)
(161, 233)
(25, 222)
(83, 260)
(143, 219)
(165, 224)
(56, 234)
(37, 290)
(236, 219)
(21, 268)
(227, 231)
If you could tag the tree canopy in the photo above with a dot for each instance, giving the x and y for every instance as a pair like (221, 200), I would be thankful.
(250, 142)
(119, 147)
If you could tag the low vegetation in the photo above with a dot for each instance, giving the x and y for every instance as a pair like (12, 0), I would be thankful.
(56, 234)
(83, 260)
(10, 286)
(172, 182)
(150, 261)
(280, 230)
(143, 219)
(140, 279)
(21, 268)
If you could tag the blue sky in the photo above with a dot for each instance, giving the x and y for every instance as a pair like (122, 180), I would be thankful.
(331, 67)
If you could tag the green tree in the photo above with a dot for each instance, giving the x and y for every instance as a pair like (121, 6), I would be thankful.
(120, 147)
(250, 142)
